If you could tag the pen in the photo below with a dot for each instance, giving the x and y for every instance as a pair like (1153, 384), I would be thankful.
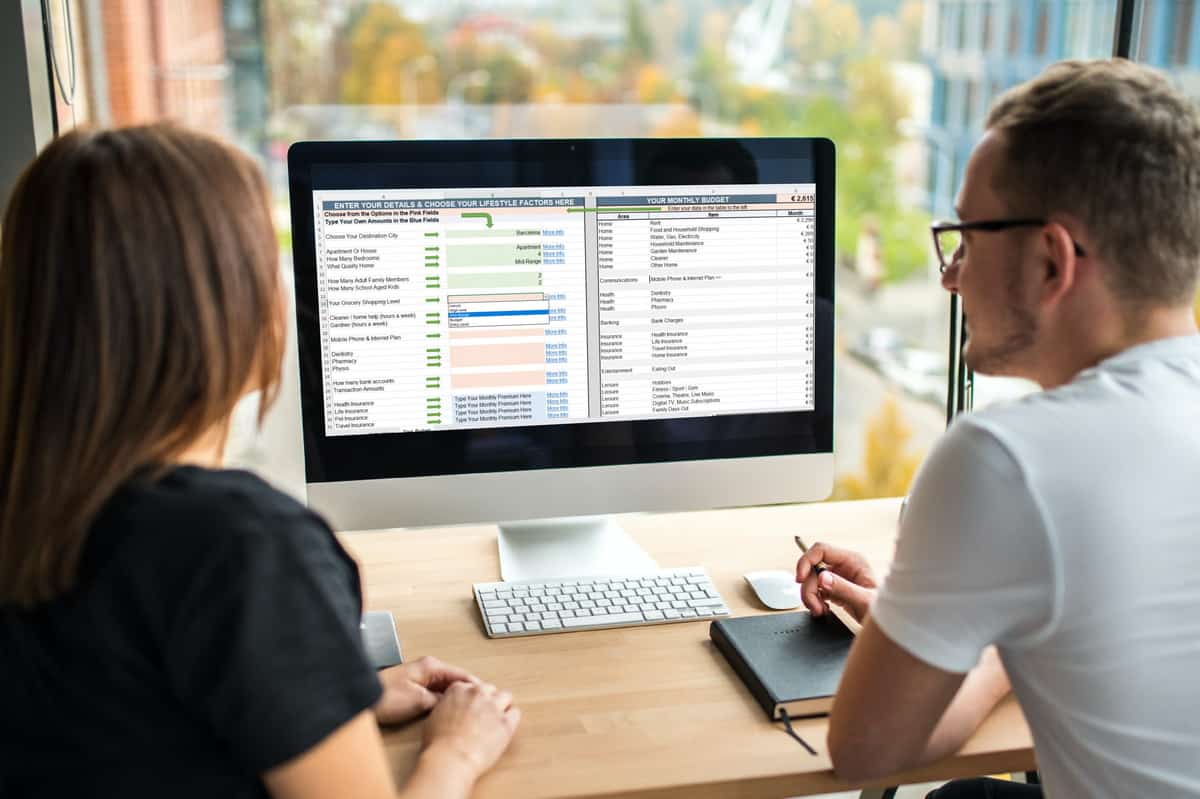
(820, 567)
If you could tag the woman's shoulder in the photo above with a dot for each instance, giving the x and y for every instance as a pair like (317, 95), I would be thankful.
(207, 493)
(195, 508)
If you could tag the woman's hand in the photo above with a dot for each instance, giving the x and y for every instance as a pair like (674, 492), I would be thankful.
(470, 728)
(413, 688)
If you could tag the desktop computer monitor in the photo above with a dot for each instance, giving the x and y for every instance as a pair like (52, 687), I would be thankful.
(528, 329)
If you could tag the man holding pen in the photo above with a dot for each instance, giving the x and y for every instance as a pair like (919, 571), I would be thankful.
(1053, 541)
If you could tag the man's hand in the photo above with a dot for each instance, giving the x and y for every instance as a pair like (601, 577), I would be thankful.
(413, 688)
(847, 581)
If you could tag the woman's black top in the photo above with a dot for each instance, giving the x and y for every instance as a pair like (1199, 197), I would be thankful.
(213, 634)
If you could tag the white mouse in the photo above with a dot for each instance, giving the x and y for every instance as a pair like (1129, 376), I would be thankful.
(775, 588)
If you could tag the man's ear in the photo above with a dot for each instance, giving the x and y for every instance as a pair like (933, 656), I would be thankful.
(1060, 263)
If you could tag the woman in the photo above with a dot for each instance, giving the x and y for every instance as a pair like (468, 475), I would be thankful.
(169, 628)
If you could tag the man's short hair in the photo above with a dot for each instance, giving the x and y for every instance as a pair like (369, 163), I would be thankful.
(1115, 145)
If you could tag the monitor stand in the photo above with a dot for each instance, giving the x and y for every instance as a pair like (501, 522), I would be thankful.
(579, 546)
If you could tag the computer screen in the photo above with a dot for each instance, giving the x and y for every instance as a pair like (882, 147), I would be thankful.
(546, 312)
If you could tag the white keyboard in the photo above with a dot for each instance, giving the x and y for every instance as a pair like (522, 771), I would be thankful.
(591, 603)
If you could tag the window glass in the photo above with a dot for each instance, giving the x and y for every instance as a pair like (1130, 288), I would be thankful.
(870, 74)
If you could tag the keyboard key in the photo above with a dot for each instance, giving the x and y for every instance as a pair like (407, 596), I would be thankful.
(499, 628)
(622, 618)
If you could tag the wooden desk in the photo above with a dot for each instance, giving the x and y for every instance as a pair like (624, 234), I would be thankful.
(651, 711)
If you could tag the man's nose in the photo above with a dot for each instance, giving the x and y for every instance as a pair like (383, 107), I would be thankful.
(950, 276)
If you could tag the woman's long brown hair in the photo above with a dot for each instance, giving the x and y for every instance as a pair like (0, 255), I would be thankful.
(140, 298)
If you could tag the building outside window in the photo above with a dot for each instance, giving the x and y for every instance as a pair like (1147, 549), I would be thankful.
(1167, 35)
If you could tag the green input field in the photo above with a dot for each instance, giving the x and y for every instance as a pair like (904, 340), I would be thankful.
(495, 280)
(490, 254)
(492, 233)
(633, 209)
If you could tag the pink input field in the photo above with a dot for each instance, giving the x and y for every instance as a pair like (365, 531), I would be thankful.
(498, 379)
(498, 355)
(508, 332)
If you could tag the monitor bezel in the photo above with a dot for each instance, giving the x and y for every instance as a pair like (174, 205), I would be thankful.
(572, 445)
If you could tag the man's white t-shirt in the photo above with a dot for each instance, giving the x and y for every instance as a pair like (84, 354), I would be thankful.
(1064, 528)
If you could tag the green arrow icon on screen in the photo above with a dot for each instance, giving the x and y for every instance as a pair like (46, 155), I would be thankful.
(478, 215)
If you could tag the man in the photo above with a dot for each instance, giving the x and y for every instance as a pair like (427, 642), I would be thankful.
(1053, 541)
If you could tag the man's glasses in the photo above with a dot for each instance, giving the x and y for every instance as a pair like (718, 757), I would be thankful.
(948, 236)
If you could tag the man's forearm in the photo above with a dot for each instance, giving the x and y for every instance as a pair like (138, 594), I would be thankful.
(982, 689)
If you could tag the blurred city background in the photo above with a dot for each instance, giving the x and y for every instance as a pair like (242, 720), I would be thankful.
(901, 86)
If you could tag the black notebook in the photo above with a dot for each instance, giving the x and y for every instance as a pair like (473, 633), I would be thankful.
(789, 661)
